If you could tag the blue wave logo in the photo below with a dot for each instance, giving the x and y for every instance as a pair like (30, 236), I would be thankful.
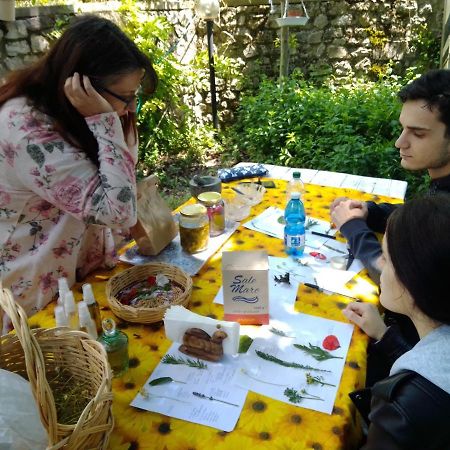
(245, 299)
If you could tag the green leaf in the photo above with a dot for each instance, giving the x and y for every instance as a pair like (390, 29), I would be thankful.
(281, 362)
(162, 380)
(316, 352)
(244, 343)
(36, 154)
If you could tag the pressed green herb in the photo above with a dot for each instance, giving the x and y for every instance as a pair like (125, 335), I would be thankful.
(296, 397)
(316, 352)
(310, 223)
(170, 359)
(206, 397)
(279, 332)
(310, 379)
(294, 365)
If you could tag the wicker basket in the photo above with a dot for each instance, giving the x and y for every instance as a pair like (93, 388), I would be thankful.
(139, 273)
(39, 356)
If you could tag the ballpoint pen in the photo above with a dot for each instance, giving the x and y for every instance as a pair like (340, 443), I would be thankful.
(323, 235)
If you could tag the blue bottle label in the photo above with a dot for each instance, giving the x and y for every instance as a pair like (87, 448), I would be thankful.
(297, 240)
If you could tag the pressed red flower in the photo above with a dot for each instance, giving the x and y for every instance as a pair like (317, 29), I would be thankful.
(331, 342)
(151, 280)
(318, 255)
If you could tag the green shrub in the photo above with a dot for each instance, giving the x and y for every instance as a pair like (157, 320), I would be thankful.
(348, 128)
(171, 143)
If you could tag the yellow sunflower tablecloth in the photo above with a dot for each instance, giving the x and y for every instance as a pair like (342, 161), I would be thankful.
(264, 423)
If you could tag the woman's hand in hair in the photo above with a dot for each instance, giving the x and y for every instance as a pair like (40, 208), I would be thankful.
(367, 317)
(84, 98)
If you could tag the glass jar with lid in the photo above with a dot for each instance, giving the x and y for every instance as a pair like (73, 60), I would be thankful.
(216, 211)
(194, 228)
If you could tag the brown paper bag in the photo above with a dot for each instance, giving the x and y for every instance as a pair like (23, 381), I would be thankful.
(155, 227)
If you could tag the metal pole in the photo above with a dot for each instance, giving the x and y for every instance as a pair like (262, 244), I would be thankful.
(284, 47)
(212, 72)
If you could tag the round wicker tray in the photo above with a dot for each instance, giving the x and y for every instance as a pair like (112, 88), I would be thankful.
(139, 273)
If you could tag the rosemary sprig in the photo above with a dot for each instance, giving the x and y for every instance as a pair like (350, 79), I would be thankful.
(170, 359)
(310, 379)
(316, 352)
(294, 365)
(296, 397)
(205, 397)
(310, 223)
(245, 372)
(279, 332)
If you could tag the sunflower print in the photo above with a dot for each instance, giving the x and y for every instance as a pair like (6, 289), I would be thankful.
(264, 423)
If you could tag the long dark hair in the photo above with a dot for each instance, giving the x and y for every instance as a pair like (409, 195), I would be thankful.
(91, 46)
(418, 240)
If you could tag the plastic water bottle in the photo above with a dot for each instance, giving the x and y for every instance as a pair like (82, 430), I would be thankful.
(294, 230)
(295, 185)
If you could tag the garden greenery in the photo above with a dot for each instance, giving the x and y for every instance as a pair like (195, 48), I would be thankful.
(348, 128)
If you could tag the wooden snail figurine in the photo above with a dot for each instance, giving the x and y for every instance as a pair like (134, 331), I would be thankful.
(200, 344)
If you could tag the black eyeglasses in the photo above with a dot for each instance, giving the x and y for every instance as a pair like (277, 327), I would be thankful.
(137, 98)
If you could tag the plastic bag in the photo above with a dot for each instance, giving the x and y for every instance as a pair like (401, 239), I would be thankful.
(20, 425)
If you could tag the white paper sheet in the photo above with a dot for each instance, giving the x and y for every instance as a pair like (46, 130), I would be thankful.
(271, 379)
(176, 399)
(268, 222)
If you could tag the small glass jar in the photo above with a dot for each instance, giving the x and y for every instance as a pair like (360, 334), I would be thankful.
(216, 211)
(194, 228)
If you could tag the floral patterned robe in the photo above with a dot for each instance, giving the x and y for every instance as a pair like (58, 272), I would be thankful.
(57, 208)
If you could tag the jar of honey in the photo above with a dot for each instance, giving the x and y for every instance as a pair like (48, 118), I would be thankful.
(216, 211)
(194, 228)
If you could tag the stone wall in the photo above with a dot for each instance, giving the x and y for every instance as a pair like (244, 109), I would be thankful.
(341, 38)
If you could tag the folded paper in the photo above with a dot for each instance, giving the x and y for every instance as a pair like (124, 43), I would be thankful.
(178, 320)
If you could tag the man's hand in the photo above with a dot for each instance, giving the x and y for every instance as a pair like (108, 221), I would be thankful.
(367, 317)
(346, 210)
(336, 202)
(85, 99)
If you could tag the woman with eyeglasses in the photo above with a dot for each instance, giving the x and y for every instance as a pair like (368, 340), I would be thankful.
(411, 408)
(68, 149)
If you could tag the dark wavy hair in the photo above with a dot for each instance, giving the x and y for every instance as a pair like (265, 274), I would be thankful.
(418, 241)
(434, 88)
(91, 46)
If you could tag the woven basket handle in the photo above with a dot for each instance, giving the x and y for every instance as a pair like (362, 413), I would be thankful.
(34, 362)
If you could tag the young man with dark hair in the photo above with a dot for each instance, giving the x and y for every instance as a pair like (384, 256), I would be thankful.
(423, 144)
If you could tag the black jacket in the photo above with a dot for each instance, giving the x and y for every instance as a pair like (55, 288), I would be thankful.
(405, 411)
(360, 234)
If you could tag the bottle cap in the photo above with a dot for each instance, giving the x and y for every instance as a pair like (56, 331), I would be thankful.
(109, 327)
(69, 302)
(210, 198)
(193, 210)
(296, 175)
(88, 294)
(295, 195)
